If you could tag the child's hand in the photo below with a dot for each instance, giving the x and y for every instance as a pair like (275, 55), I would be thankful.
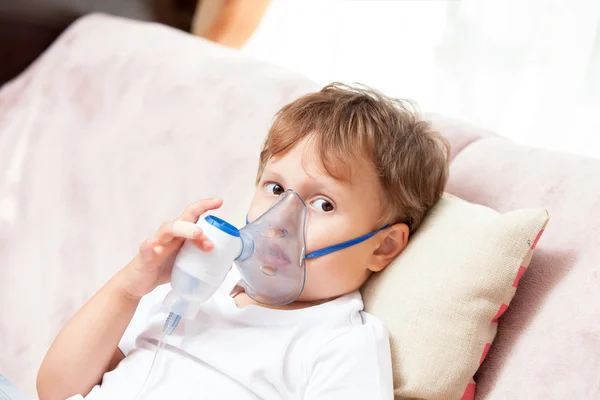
(153, 264)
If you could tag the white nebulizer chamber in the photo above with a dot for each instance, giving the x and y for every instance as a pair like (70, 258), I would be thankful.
(197, 274)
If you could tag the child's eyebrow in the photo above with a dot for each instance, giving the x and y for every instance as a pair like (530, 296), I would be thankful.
(272, 175)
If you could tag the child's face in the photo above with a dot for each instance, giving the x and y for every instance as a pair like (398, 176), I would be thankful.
(336, 211)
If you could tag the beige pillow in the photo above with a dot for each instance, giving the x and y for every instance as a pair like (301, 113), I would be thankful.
(441, 298)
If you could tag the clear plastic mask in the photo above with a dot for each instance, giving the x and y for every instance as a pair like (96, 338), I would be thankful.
(272, 261)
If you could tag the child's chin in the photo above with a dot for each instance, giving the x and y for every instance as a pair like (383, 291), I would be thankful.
(305, 297)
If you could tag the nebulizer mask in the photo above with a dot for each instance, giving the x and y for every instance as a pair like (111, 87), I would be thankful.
(269, 253)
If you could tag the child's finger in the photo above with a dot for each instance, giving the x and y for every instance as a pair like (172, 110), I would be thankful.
(195, 210)
(158, 250)
(205, 244)
(147, 249)
(173, 229)
(186, 230)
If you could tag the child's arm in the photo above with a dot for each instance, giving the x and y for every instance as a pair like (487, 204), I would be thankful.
(86, 347)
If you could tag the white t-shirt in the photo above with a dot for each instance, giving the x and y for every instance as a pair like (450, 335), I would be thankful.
(329, 351)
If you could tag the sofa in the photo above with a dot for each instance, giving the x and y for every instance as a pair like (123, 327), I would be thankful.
(120, 124)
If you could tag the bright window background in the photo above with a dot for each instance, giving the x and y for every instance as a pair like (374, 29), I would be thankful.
(529, 70)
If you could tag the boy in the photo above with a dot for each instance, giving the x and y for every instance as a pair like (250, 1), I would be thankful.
(361, 162)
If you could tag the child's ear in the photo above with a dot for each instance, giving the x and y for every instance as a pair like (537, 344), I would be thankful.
(393, 240)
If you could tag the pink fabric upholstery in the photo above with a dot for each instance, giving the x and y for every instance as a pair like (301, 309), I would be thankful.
(112, 130)
(459, 133)
(548, 343)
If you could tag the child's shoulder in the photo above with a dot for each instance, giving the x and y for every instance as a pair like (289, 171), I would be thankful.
(365, 328)
(357, 359)
(353, 327)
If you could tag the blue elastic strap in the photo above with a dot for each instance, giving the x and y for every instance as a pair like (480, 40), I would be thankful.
(339, 246)
(343, 245)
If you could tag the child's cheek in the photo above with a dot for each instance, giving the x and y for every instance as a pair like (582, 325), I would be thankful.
(315, 239)
(258, 206)
(322, 277)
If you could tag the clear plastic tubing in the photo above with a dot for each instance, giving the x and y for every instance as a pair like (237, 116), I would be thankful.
(170, 324)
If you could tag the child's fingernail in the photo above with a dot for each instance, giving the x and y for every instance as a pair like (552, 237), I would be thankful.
(197, 232)
(207, 244)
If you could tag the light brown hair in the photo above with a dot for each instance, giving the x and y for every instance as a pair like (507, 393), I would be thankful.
(352, 125)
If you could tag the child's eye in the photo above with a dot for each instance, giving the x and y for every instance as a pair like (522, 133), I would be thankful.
(274, 188)
(322, 205)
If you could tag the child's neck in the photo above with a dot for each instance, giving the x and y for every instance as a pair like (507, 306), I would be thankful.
(242, 300)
